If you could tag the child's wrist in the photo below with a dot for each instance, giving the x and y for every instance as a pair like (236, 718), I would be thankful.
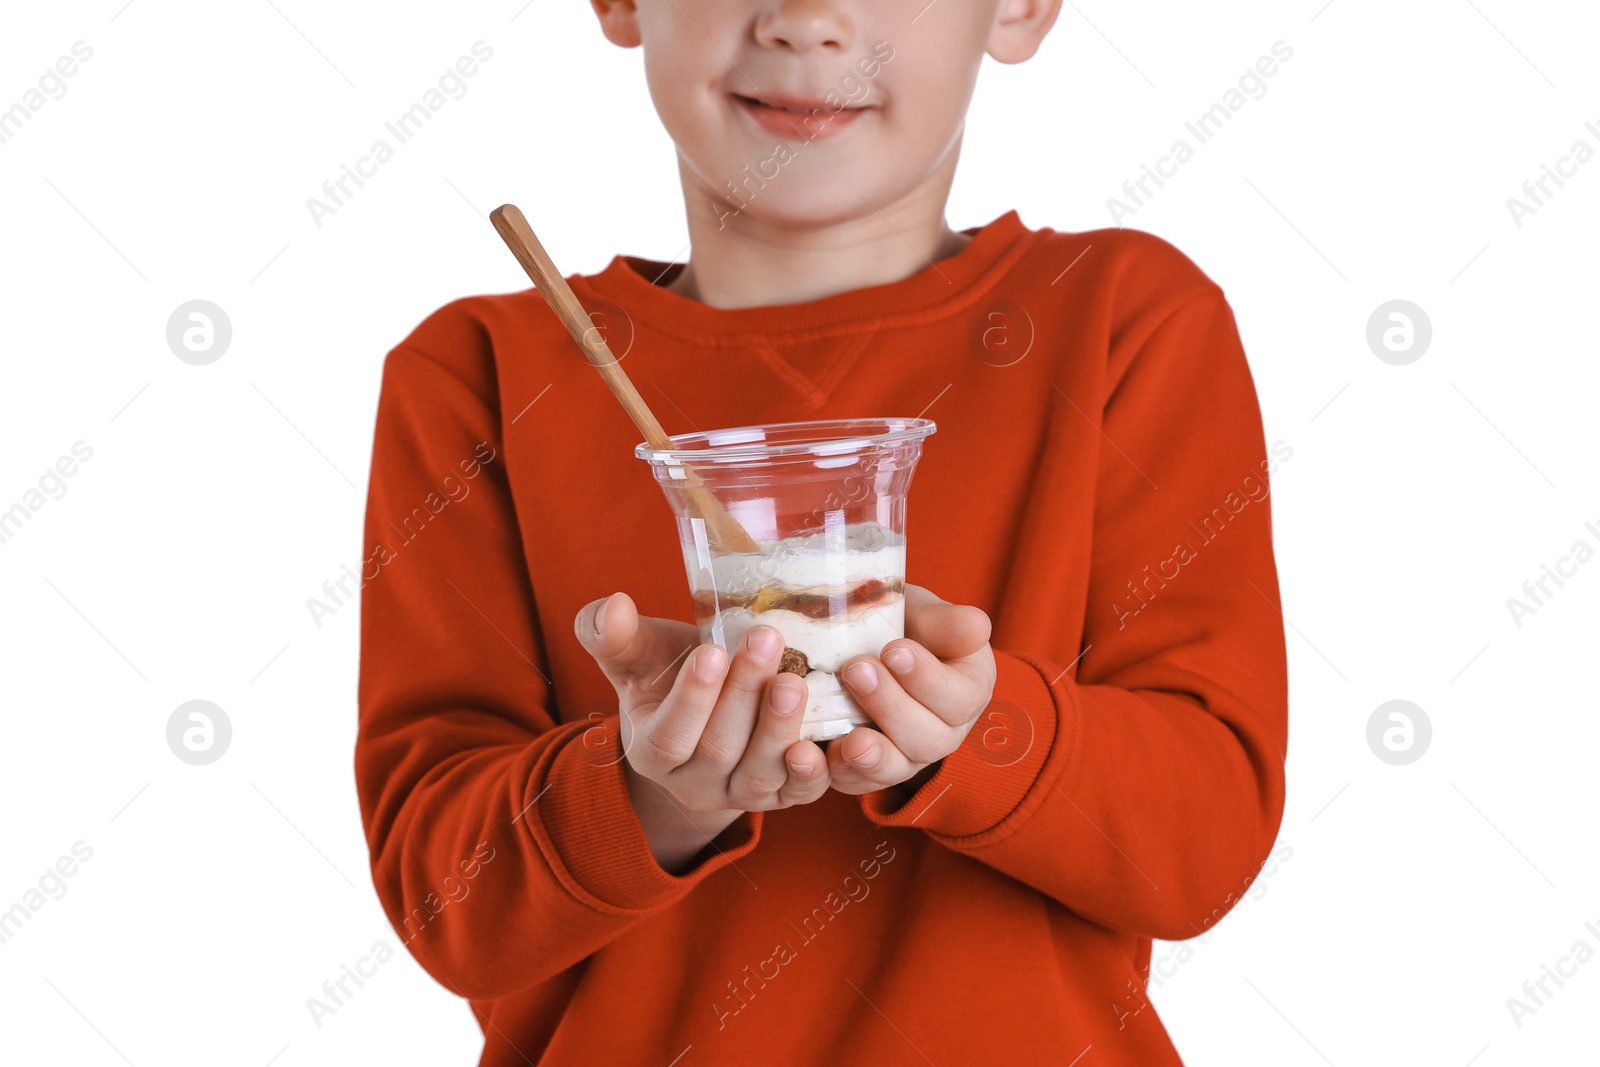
(676, 834)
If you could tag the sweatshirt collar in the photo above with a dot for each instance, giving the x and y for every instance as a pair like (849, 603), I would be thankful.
(637, 285)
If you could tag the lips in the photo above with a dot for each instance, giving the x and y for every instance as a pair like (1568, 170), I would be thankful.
(796, 117)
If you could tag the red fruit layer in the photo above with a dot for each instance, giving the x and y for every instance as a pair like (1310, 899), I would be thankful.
(812, 605)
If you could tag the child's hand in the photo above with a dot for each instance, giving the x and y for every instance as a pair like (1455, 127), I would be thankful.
(713, 738)
(923, 711)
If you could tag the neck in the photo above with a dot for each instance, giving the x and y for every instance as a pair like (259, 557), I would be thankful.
(745, 261)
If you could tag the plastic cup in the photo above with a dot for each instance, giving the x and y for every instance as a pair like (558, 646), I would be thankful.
(825, 502)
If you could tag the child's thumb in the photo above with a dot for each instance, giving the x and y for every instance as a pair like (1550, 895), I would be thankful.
(591, 625)
(948, 630)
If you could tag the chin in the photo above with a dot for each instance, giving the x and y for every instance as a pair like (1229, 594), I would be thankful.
(797, 194)
(805, 206)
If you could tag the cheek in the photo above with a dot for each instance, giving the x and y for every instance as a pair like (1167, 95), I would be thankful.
(673, 87)
(918, 128)
(931, 102)
(678, 63)
(680, 77)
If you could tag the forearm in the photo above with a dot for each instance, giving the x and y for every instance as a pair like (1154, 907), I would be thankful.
(1142, 811)
(427, 811)
(569, 869)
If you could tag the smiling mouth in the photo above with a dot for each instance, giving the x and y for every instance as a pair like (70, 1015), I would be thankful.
(794, 107)
(798, 118)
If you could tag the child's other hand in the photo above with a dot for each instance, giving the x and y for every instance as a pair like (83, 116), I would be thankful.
(923, 711)
(717, 738)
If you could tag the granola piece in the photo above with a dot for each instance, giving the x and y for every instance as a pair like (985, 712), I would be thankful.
(794, 662)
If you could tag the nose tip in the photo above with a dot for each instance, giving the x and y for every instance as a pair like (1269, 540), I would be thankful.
(805, 25)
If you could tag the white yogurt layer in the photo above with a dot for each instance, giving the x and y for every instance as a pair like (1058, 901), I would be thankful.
(830, 710)
(839, 558)
(823, 562)
(827, 644)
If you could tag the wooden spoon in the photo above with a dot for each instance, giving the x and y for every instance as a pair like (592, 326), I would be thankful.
(722, 528)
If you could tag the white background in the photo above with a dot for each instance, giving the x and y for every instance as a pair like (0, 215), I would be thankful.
(177, 565)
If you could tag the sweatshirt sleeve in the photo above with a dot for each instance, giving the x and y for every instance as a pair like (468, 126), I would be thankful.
(503, 846)
(1142, 785)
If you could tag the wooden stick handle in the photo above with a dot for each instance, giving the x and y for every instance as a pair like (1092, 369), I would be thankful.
(721, 527)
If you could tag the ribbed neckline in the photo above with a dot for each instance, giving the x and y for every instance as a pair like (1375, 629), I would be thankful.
(638, 285)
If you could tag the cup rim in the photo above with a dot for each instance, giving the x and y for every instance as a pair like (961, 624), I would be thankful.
(819, 437)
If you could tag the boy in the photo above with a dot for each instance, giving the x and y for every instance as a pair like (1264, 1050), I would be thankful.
(1077, 747)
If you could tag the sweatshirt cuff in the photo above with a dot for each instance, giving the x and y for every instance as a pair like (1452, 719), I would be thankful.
(592, 837)
(985, 779)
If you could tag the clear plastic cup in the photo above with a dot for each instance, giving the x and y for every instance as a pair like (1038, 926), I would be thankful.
(825, 502)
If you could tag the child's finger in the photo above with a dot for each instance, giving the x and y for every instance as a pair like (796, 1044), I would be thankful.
(665, 738)
(727, 732)
(864, 760)
(761, 773)
(808, 774)
(948, 630)
(915, 730)
(952, 694)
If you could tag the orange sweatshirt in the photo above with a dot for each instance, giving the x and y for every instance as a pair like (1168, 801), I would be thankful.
(1097, 484)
